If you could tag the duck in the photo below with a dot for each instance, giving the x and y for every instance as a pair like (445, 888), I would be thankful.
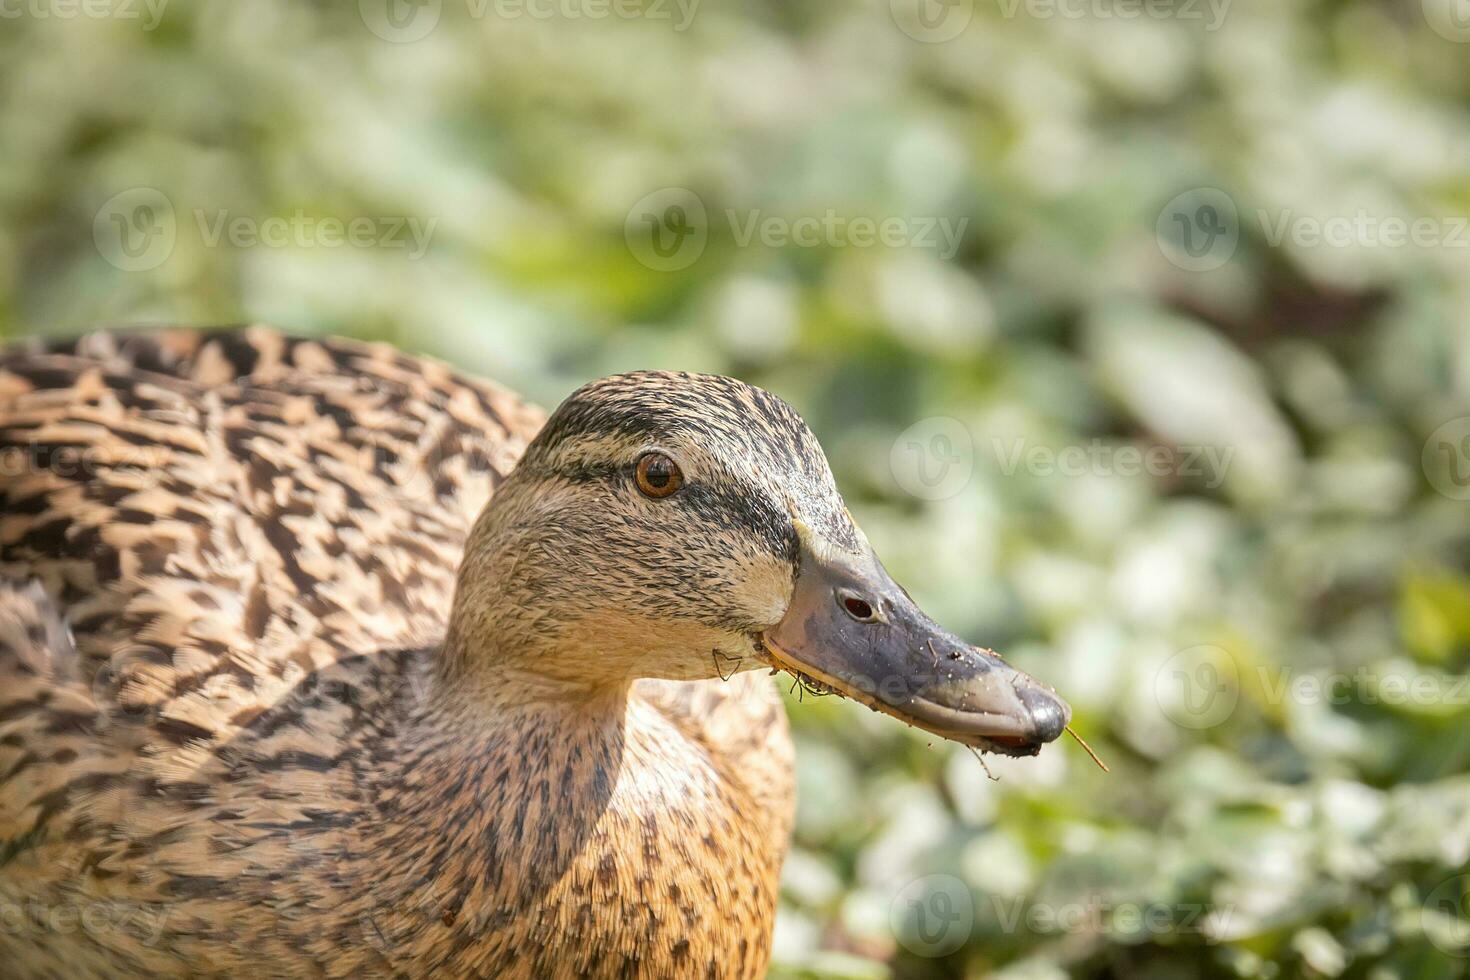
(320, 659)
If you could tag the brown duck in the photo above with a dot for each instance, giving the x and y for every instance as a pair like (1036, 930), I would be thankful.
(251, 722)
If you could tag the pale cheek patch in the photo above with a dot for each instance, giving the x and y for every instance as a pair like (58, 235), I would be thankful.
(763, 586)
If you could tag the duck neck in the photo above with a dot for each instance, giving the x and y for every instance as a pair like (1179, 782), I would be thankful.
(512, 790)
(531, 610)
(492, 659)
(479, 680)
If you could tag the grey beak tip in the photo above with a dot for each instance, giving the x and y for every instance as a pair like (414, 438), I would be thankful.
(1050, 715)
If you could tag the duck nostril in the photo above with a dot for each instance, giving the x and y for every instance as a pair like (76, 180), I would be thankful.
(858, 608)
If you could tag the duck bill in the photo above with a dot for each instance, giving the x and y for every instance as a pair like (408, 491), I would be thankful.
(851, 629)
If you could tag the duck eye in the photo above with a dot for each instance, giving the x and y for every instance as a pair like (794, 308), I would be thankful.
(657, 475)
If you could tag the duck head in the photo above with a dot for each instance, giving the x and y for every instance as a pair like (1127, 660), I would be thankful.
(687, 526)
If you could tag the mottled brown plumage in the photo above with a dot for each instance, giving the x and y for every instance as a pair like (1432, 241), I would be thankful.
(275, 700)
(230, 742)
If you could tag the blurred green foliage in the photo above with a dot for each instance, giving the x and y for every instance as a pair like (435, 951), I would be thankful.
(1241, 639)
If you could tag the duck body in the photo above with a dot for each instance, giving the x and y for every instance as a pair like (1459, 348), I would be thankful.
(229, 741)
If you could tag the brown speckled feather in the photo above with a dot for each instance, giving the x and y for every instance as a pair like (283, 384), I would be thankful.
(226, 567)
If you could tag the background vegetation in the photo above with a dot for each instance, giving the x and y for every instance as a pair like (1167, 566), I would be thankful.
(1140, 428)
